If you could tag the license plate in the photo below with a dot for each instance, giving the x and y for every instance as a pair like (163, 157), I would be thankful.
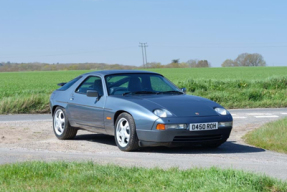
(203, 126)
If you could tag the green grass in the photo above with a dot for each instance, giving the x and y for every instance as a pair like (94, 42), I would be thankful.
(29, 92)
(270, 92)
(271, 136)
(227, 73)
(249, 87)
(61, 176)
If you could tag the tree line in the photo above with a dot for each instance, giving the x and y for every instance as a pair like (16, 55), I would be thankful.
(9, 66)
(192, 63)
(36, 66)
(244, 59)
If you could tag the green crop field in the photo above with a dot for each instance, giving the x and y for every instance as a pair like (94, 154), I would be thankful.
(28, 92)
(227, 73)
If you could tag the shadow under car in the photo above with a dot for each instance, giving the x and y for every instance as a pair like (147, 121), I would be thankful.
(225, 148)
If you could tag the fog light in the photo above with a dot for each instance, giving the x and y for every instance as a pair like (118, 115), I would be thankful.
(175, 126)
(225, 124)
(181, 126)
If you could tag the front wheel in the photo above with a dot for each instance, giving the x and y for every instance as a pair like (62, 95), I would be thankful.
(61, 126)
(125, 133)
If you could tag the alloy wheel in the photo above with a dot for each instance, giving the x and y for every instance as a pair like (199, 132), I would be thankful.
(59, 122)
(123, 132)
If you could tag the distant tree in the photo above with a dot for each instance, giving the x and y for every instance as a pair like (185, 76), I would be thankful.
(254, 60)
(154, 65)
(240, 60)
(175, 61)
(192, 63)
(197, 63)
(228, 63)
(183, 65)
(203, 63)
(245, 60)
(174, 64)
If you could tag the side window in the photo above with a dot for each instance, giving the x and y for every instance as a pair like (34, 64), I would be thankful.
(91, 83)
(158, 84)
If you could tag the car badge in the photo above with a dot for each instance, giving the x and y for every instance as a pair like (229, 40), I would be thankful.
(196, 113)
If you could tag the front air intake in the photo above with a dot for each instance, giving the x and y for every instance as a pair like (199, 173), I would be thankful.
(197, 138)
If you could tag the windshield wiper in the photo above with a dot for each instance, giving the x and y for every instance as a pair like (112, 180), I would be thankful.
(177, 92)
(144, 92)
(139, 92)
(126, 93)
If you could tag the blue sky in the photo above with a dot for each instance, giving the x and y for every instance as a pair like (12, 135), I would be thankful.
(109, 31)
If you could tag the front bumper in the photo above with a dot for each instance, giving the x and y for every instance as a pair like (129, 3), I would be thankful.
(169, 137)
(182, 137)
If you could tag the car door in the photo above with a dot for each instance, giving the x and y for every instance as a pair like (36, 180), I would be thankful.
(88, 112)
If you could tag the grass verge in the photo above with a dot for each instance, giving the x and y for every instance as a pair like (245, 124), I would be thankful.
(271, 136)
(36, 103)
(61, 176)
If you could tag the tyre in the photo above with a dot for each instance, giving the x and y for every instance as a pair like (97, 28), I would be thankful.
(61, 125)
(125, 133)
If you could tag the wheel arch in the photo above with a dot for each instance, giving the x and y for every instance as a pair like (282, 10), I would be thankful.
(54, 108)
(118, 113)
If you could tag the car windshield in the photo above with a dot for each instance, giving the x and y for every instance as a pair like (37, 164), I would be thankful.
(141, 83)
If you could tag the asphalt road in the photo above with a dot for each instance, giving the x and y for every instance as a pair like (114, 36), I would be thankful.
(233, 154)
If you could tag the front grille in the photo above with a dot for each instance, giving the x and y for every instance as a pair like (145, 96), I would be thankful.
(197, 138)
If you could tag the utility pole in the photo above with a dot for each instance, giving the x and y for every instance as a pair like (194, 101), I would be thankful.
(143, 46)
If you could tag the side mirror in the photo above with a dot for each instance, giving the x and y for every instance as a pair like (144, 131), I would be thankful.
(92, 93)
(183, 90)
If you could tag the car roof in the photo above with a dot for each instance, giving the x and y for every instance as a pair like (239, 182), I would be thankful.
(112, 72)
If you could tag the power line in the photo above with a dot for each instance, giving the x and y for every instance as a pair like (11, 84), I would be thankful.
(220, 46)
(144, 55)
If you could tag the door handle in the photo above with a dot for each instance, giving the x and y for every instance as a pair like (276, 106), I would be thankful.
(72, 97)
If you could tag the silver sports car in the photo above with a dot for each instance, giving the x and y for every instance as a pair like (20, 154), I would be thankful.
(139, 108)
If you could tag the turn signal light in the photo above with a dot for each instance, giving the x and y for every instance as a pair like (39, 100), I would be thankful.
(160, 127)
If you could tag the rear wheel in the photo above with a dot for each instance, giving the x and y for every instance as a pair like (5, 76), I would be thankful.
(61, 126)
(125, 133)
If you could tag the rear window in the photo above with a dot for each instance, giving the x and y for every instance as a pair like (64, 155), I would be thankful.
(69, 84)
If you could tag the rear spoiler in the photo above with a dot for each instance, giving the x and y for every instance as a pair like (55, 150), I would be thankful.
(61, 84)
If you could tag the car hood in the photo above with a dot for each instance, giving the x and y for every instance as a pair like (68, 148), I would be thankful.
(178, 105)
